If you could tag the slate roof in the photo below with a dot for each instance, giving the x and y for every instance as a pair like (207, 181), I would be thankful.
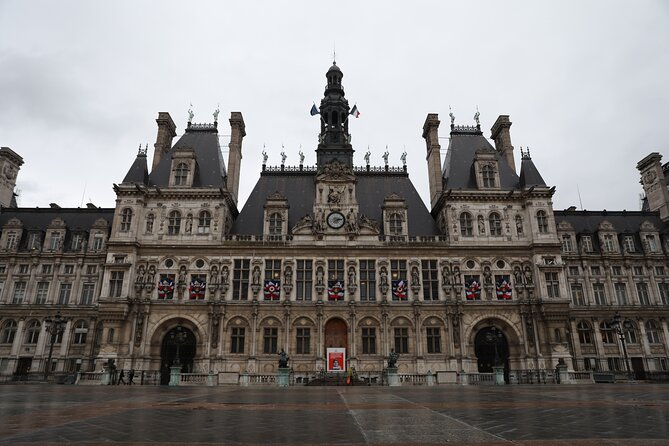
(41, 218)
(458, 168)
(203, 139)
(298, 188)
(139, 171)
(529, 174)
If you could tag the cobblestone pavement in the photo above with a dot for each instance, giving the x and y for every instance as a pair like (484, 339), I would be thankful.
(620, 414)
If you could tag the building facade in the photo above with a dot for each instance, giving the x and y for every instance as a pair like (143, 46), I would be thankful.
(334, 259)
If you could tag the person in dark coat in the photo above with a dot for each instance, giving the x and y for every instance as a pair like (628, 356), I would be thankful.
(121, 378)
(131, 375)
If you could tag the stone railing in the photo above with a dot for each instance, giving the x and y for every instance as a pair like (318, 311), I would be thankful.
(89, 378)
(413, 379)
(584, 377)
(198, 379)
(477, 379)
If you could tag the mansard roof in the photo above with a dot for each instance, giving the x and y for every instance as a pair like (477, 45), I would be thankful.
(529, 174)
(622, 221)
(41, 218)
(203, 139)
(139, 171)
(457, 170)
(371, 189)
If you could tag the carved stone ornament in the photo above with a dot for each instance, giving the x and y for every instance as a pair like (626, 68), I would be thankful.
(649, 177)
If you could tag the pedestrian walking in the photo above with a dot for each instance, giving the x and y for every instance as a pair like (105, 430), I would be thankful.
(131, 375)
(121, 378)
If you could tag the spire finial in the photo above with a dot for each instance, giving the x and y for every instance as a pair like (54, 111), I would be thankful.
(334, 53)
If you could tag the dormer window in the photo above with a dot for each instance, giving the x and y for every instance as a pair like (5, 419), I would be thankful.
(11, 240)
(181, 174)
(609, 244)
(174, 223)
(275, 224)
(542, 222)
(395, 224)
(488, 175)
(126, 219)
(55, 241)
(567, 245)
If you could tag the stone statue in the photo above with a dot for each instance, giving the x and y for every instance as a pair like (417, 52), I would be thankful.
(481, 225)
(415, 276)
(216, 112)
(190, 114)
(283, 157)
(182, 275)
(450, 113)
(487, 276)
(456, 275)
(384, 276)
(264, 157)
(140, 274)
(528, 275)
(446, 275)
(519, 224)
(189, 223)
(256, 276)
(403, 158)
(283, 359)
(288, 275)
(225, 275)
(476, 116)
(518, 276)
(334, 195)
(351, 276)
(319, 276)
(385, 157)
(367, 155)
(392, 359)
(301, 157)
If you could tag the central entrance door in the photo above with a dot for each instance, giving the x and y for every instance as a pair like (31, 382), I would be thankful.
(491, 348)
(185, 340)
(336, 334)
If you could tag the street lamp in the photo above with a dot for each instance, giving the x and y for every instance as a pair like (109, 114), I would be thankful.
(178, 338)
(55, 328)
(494, 336)
(620, 326)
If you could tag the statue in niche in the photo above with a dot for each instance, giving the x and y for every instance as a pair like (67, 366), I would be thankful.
(517, 275)
(446, 275)
(256, 276)
(415, 276)
(487, 276)
(384, 276)
(519, 225)
(288, 275)
(225, 275)
(189, 223)
(528, 275)
(214, 274)
(351, 275)
(140, 274)
(334, 195)
(481, 224)
(456, 275)
(152, 274)
(182, 275)
(319, 276)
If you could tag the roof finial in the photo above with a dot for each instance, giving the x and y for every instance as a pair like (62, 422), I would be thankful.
(334, 53)
(367, 155)
(264, 155)
(403, 158)
(283, 156)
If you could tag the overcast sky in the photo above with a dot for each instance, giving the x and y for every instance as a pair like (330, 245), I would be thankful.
(586, 84)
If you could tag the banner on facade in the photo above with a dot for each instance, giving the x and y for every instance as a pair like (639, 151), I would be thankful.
(272, 289)
(197, 287)
(503, 285)
(472, 287)
(336, 359)
(335, 290)
(400, 289)
(166, 286)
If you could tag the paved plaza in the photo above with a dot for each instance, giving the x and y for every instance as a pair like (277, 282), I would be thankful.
(620, 414)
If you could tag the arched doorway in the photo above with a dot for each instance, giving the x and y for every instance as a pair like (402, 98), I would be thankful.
(491, 349)
(336, 334)
(184, 339)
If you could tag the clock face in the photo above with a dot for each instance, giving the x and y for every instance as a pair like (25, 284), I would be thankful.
(336, 220)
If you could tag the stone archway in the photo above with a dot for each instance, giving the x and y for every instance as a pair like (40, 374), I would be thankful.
(491, 348)
(168, 351)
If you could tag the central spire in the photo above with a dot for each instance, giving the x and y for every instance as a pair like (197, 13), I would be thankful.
(334, 141)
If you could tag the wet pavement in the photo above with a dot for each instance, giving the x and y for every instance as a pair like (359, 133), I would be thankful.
(620, 414)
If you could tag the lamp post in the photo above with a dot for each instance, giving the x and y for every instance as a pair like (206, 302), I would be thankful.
(494, 336)
(54, 327)
(620, 326)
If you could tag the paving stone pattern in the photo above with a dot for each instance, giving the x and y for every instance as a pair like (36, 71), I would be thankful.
(621, 414)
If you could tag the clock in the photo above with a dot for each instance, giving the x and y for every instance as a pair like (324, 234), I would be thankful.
(336, 220)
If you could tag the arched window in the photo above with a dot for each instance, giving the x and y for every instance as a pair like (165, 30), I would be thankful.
(608, 335)
(488, 174)
(653, 332)
(495, 224)
(542, 222)
(126, 219)
(80, 332)
(9, 332)
(629, 329)
(584, 332)
(275, 224)
(32, 334)
(181, 174)
(149, 223)
(466, 228)
(174, 223)
(395, 224)
(203, 222)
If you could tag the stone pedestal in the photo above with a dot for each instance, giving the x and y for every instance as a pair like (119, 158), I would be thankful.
(392, 378)
(106, 376)
(562, 374)
(210, 379)
(499, 375)
(283, 378)
(429, 378)
(244, 379)
(175, 375)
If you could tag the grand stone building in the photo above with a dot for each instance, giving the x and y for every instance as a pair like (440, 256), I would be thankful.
(334, 259)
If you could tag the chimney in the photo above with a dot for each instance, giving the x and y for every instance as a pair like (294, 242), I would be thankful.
(10, 164)
(500, 133)
(431, 135)
(655, 184)
(235, 155)
(166, 131)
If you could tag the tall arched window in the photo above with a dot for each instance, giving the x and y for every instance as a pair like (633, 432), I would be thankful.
(495, 224)
(174, 223)
(488, 174)
(466, 226)
(542, 222)
(275, 224)
(395, 224)
(203, 222)
(149, 223)
(608, 336)
(80, 332)
(181, 174)
(629, 329)
(584, 332)
(126, 219)
(9, 332)
(653, 332)
(32, 334)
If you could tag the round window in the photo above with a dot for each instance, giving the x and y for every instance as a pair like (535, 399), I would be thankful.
(501, 264)
(169, 263)
(199, 263)
(471, 264)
